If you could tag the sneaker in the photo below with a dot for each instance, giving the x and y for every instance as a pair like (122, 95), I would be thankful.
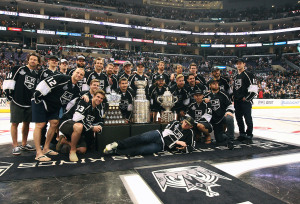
(16, 151)
(110, 147)
(240, 138)
(27, 147)
(230, 145)
(247, 141)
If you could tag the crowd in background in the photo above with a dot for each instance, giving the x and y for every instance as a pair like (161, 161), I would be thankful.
(271, 83)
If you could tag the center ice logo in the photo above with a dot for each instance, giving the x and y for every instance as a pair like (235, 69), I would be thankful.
(190, 178)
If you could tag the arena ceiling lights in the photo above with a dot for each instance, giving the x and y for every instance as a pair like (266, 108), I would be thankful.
(74, 20)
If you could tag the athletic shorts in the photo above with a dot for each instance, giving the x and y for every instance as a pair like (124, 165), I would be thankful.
(66, 128)
(20, 114)
(40, 115)
(207, 126)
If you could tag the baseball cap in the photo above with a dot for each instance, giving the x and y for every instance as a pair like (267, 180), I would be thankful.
(240, 60)
(198, 91)
(189, 120)
(80, 57)
(212, 81)
(158, 77)
(126, 63)
(64, 60)
(140, 63)
(53, 57)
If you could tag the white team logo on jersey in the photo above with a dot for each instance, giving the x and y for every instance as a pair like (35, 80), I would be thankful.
(101, 84)
(29, 82)
(193, 107)
(90, 118)
(198, 114)
(237, 84)
(93, 77)
(45, 75)
(190, 178)
(66, 98)
(124, 104)
(65, 87)
(215, 104)
(22, 72)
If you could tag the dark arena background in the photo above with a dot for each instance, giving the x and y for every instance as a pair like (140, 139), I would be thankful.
(212, 34)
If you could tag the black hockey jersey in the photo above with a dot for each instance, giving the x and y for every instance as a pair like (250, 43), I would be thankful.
(126, 104)
(224, 85)
(154, 92)
(200, 112)
(191, 90)
(45, 73)
(84, 113)
(173, 133)
(166, 77)
(244, 86)
(220, 104)
(102, 77)
(123, 75)
(183, 97)
(19, 85)
(56, 91)
(136, 77)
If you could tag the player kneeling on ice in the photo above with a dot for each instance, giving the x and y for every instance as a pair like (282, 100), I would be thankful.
(80, 123)
(176, 136)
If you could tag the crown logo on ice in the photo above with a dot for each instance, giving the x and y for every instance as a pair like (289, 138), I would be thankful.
(190, 178)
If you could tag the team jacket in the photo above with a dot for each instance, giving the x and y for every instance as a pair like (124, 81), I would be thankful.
(166, 77)
(244, 86)
(191, 90)
(84, 113)
(183, 97)
(56, 91)
(201, 79)
(126, 104)
(102, 77)
(102, 106)
(123, 75)
(115, 85)
(19, 85)
(220, 104)
(200, 112)
(154, 92)
(133, 78)
(45, 73)
(173, 133)
(224, 85)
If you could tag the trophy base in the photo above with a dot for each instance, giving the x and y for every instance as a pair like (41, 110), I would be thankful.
(167, 116)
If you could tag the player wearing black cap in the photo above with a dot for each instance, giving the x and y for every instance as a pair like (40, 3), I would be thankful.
(222, 113)
(202, 113)
(138, 76)
(244, 90)
(177, 136)
(51, 70)
(157, 89)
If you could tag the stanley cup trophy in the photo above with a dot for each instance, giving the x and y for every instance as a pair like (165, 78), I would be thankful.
(167, 101)
(113, 115)
(141, 112)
